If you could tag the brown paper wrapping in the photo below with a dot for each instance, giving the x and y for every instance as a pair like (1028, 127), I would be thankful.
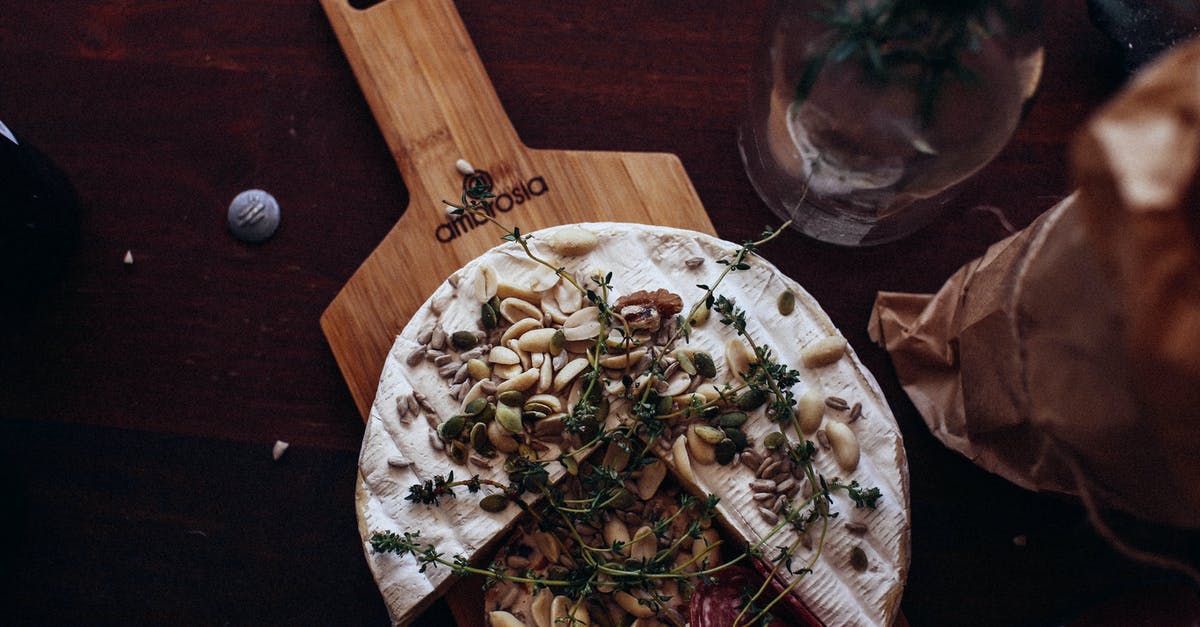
(1067, 357)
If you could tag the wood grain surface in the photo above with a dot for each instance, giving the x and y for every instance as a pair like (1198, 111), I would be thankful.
(435, 106)
(139, 402)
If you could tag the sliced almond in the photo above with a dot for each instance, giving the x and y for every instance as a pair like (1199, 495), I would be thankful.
(630, 604)
(500, 618)
(584, 324)
(616, 457)
(568, 297)
(699, 450)
(738, 357)
(503, 355)
(683, 466)
(521, 382)
(501, 438)
(677, 384)
(651, 478)
(507, 371)
(519, 328)
(569, 372)
(508, 290)
(564, 611)
(546, 378)
(514, 309)
(540, 341)
(540, 607)
(572, 241)
(616, 531)
(479, 390)
(810, 409)
(620, 362)
(844, 444)
(552, 311)
(823, 352)
(643, 544)
(486, 282)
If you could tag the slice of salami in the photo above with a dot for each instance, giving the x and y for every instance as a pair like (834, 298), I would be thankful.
(719, 603)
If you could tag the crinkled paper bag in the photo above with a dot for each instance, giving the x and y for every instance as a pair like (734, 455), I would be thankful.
(1067, 357)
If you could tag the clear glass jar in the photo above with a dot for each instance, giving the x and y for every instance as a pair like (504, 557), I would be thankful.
(863, 113)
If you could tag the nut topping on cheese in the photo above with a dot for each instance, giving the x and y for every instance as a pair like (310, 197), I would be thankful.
(571, 396)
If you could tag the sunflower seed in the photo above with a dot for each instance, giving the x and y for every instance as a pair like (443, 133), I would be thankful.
(442, 360)
(766, 467)
(693, 262)
(856, 412)
(438, 340)
(768, 515)
(481, 462)
(786, 485)
(423, 401)
(856, 528)
(762, 485)
(425, 337)
(750, 459)
(416, 356)
(837, 402)
(823, 439)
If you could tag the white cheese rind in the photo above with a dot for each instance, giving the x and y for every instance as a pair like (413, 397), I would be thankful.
(642, 257)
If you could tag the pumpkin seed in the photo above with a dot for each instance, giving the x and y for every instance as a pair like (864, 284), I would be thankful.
(570, 464)
(665, 405)
(509, 417)
(858, 559)
(725, 450)
(705, 366)
(786, 303)
(774, 440)
(488, 316)
(458, 452)
(538, 407)
(710, 434)
(479, 438)
(557, 342)
(493, 503)
(512, 398)
(732, 419)
(475, 406)
(464, 340)
(750, 400)
(452, 427)
(738, 436)
(685, 362)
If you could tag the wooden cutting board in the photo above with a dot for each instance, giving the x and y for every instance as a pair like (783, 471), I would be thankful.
(434, 103)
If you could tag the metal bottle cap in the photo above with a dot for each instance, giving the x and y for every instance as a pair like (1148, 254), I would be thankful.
(253, 215)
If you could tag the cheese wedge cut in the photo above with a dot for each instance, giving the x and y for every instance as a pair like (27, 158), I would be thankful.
(445, 357)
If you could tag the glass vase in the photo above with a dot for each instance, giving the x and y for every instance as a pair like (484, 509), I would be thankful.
(863, 114)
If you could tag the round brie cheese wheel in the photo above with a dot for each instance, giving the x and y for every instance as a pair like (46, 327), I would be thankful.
(533, 339)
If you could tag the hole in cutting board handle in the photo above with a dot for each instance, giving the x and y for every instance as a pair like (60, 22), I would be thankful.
(363, 5)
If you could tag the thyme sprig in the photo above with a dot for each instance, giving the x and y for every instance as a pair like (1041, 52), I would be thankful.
(924, 42)
(591, 489)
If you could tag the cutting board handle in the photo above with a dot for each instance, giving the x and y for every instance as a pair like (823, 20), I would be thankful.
(426, 87)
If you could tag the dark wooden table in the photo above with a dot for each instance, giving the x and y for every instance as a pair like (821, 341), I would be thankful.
(140, 402)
